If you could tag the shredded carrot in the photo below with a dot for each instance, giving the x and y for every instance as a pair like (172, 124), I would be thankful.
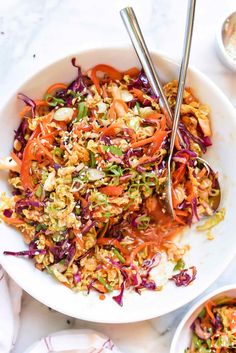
(182, 213)
(132, 72)
(13, 221)
(102, 297)
(55, 87)
(177, 143)
(189, 190)
(16, 159)
(114, 109)
(110, 130)
(114, 242)
(179, 220)
(201, 173)
(138, 94)
(109, 70)
(39, 103)
(134, 252)
(112, 190)
(158, 138)
(209, 305)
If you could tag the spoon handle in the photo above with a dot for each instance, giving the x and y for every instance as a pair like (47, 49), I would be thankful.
(134, 31)
(183, 72)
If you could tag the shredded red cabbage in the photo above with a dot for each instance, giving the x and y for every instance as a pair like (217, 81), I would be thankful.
(28, 101)
(119, 298)
(184, 278)
(29, 253)
(200, 332)
(7, 212)
(24, 204)
(90, 224)
(78, 85)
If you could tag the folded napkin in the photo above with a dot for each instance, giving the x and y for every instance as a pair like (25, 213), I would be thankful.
(10, 305)
(74, 341)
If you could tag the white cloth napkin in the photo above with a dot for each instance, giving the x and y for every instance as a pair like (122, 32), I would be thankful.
(10, 306)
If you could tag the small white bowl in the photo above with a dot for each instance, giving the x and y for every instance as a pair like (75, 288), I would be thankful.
(183, 334)
(221, 50)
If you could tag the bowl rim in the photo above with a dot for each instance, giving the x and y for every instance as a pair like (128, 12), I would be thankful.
(21, 282)
(194, 308)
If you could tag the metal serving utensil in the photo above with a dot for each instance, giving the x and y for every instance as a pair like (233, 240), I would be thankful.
(134, 31)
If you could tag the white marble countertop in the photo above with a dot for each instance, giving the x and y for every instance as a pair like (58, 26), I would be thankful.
(34, 33)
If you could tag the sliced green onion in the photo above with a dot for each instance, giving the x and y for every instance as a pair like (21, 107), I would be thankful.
(137, 105)
(213, 221)
(92, 159)
(82, 111)
(180, 265)
(202, 313)
(113, 149)
(39, 191)
(116, 170)
(58, 152)
(53, 101)
(105, 284)
(40, 227)
(143, 222)
(118, 255)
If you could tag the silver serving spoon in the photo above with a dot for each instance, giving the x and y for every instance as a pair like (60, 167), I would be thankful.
(134, 31)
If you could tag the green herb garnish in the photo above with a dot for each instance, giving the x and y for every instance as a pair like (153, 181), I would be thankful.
(92, 159)
(180, 265)
(118, 255)
(53, 101)
(105, 284)
(39, 191)
(143, 222)
(113, 149)
(82, 111)
(40, 227)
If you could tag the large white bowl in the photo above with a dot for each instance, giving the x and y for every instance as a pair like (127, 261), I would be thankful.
(210, 257)
(183, 334)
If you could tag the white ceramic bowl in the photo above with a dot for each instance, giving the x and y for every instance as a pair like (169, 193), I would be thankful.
(183, 334)
(204, 254)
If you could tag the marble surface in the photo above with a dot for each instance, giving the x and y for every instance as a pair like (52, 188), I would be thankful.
(34, 33)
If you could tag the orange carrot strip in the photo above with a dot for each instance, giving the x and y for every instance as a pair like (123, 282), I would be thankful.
(190, 191)
(181, 213)
(179, 220)
(27, 108)
(114, 242)
(112, 190)
(113, 109)
(13, 221)
(109, 70)
(28, 155)
(110, 130)
(132, 72)
(177, 143)
(160, 136)
(138, 94)
(202, 173)
(16, 159)
(209, 305)
(55, 87)
(134, 252)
